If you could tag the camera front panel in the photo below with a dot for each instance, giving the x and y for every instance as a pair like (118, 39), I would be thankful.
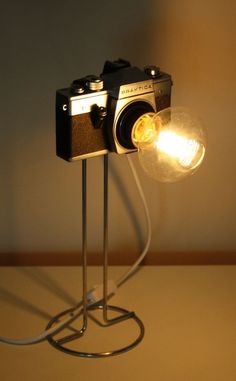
(77, 136)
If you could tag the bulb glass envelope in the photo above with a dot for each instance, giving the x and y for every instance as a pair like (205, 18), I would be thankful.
(171, 143)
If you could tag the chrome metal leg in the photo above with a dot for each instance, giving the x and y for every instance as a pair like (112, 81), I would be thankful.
(105, 251)
(80, 332)
(105, 237)
(84, 242)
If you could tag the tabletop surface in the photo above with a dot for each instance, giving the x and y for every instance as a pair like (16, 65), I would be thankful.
(189, 313)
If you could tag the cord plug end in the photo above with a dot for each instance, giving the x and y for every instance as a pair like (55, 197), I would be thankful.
(96, 294)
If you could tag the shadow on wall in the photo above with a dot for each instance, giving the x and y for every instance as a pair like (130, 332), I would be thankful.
(45, 46)
(41, 278)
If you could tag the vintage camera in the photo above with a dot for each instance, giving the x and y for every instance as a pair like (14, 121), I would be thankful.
(95, 115)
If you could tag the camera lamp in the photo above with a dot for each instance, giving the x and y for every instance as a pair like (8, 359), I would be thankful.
(123, 110)
(171, 143)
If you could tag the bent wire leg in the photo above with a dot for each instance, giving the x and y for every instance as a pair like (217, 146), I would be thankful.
(103, 306)
(80, 332)
(105, 251)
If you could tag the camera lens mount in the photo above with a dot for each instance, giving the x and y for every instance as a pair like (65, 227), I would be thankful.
(126, 121)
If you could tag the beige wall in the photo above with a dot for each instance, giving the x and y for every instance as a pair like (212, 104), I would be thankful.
(45, 45)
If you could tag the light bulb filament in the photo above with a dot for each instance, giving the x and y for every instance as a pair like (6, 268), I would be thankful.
(176, 146)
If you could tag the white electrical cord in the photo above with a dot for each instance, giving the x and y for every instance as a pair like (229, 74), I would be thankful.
(120, 281)
(96, 294)
(49, 332)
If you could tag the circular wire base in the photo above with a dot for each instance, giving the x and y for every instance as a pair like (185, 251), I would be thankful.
(115, 352)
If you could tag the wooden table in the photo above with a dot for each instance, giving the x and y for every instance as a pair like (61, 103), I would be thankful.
(189, 313)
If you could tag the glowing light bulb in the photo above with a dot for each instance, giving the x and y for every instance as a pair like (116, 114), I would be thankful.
(184, 150)
(171, 143)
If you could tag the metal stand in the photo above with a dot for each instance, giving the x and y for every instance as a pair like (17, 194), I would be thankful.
(103, 305)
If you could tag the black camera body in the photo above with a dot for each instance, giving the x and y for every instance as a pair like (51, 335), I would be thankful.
(95, 115)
